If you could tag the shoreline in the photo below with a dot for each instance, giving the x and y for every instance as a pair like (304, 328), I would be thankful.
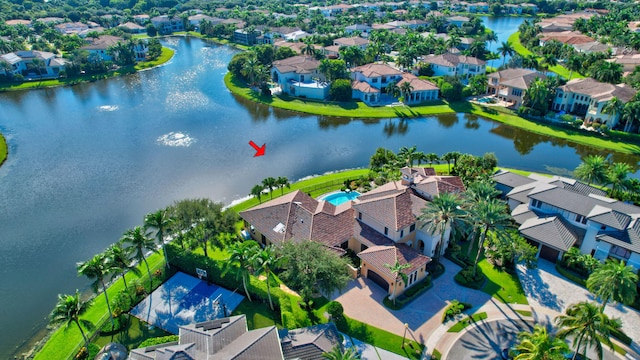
(358, 110)
(4, 149)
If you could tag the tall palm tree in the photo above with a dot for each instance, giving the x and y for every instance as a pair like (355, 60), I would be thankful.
(432, 158)
(242, 258)
(574, 63)
(97, 269)
(270, 183)
(540, 345)
(614, 281)
(141, 243)
(406, 89)
(613, 107)
(119, 259)
(609, 72)
(68, 310)
(442, 213)
(593, 170)
(630, 114)
(588, 326)
(393, 90)
(283, 182)
(408, 154)
(160, 221)
(308, 49)
(266, 260)
(397, 271)
(506, 48)
(618, 178)
(337, 353)
(451, 156)
(453, 41)
(257, 192)
(530, 61)
(486, 215)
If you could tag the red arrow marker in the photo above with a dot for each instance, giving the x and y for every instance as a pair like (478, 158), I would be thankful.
(259, 149)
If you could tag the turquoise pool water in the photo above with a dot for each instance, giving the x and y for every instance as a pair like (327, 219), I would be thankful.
(340, 197)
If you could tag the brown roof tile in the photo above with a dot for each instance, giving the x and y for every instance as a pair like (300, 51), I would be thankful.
(375, 70)
(300, 64)
(378, 256)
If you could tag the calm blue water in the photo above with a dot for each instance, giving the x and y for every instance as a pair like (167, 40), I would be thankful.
(503, 27)
(88, 162)
(341, 197)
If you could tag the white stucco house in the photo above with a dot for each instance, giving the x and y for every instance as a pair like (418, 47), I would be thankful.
(299, 76)
(456, 65)
(22, 62)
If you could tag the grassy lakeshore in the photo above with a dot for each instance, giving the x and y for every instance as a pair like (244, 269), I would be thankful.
(558, 69)
(4, 150)
(166, 55)
(360, 110)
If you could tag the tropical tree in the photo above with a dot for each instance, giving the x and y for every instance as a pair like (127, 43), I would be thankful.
(630, 114)
(609, 72)
(333, 69)
(270, 183)
(257, 192)
(506, 48)
(337, 353)
(613, 107)
(593, 169)
(574, 63)
(549, 61)
(68, 310)
(393, 89)
(588, 327)
(266, 260)
(119, 259)
(488, 215)
(141, 243)
(530, 61)
(614, 281)
(97, 269)
(308, 49)
(539, 345)
(159, 221)
(453, 41)
(250, 68)
(449, 157)
(283, 182)
(432, 158)
(397, 271)
(406, 89)
(242, 258)
(618, 178)
(442, 213)
(478, 49)
(408, 154)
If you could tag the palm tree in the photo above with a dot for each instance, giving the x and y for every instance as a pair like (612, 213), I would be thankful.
(408, 154)
(393, 90)
(283, 182)
(406, 89)
(478, 49)
(549, 61)
(68, 310)
(249, 68)
(270, 183)
(539, 345)
(618, 178)
(119, 258)
(257, 192)
(614, 281)
(432, 158)
(97, 268)
(453, 41)
(530, 61)
(574, 63)
(396, 271)
(160, 221)
(613, 107)
(443, 212)
(141, 244)
(266, 260)
(630, 114)
(609, 72)
(242, 258)
(593, 170)
(588, 326)
(308, 49)
(488, 214)
(506, 48)
(338, 354)
(451, 156)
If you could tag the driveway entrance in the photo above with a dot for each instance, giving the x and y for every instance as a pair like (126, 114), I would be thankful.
(378, 279)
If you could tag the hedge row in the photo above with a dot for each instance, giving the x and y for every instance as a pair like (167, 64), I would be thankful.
(445, 314)
(571, 275)
(409, 295)
(464, 278)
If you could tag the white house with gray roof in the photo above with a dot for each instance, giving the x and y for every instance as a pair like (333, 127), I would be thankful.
(26, 62)
(299, 76)
(557, 213)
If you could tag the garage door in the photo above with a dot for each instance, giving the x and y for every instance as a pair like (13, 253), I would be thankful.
(378, 279)
(548, 253)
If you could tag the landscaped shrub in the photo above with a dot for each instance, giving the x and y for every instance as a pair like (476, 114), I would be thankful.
(567, 118)
(119, 323)
(454, 309)
(340, 90)
(159, 340)
(409, 295)
(288, 320)
(335, 309)
(465, 278)
(90, 354)
(576, 278)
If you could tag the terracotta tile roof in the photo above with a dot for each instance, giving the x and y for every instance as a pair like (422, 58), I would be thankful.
(567, 37)
(363, 87)
(378, 256)
(298, 64)
(391, 209)
(598, 90)
(375, 70)
(517, 78)
(102, 43)
(452, 60)
(417, 83)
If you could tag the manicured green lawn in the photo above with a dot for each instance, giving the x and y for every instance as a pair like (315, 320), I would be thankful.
(381, 338)
(65, 341)
(502, 285)
(4, 150)
(355, 109)
(558, 69)
(524, 312)
(166, 55)
(135, 333)
(258, 315)
(464, 323)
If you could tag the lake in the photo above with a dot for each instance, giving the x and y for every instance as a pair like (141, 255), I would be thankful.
(88, 162)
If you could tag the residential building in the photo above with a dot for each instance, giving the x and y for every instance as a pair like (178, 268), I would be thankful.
(100, 46)
(509, 85)
(310, 342)
(295, 35)
(562, 22)
(196, 20)
(455, 65)
(71, 27)
(141, 19)
(556, 213)
(422, 90)
(299, 76)
(370, 80)
(587, 97)
(566, 37)
(457, 20)
(245, 37)
(22, 62)
(222, 339)
(363, 29)
(479, 7)
(381, 226)
(334, 50)
(511, 9)
(16, 22)
(629, 62)
(167, 25)
(133, 28)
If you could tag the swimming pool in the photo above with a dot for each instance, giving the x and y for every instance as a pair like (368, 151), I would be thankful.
(340, 197)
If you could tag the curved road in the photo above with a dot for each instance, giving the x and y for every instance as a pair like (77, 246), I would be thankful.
(486, 339)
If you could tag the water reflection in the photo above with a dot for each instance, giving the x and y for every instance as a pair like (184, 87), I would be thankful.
(447, 120)
(395, 127)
